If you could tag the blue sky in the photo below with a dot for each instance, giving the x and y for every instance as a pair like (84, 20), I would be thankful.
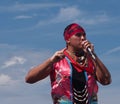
(32, 30)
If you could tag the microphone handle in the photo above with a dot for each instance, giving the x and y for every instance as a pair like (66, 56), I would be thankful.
(91, 53)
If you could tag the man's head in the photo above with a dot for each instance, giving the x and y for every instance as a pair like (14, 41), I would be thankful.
(71, 30)
(74, 35)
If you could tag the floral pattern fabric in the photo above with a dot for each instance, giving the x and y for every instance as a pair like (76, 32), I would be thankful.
(61, 84)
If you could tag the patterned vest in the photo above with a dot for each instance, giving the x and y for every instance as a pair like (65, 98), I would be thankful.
(65, 88)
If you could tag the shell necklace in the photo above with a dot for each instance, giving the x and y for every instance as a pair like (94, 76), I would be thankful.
(79, 58)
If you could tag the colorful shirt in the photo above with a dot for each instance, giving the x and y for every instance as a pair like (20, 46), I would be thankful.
(68, 85)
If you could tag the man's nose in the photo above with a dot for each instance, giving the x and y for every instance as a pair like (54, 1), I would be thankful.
(83, 37)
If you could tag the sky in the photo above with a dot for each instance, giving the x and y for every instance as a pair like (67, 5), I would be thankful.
(32, 30)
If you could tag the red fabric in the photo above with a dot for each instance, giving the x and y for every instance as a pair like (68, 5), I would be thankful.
(80, 68)
(61, 82)
(75, 28)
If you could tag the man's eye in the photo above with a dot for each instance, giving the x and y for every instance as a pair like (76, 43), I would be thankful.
(78, 35)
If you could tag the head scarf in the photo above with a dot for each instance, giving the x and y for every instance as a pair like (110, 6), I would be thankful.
(72, 29)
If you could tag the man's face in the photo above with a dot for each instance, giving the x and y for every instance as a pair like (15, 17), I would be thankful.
(76, 40)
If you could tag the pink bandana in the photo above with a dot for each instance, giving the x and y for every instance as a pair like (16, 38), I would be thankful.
(74, 29)
(80, 68)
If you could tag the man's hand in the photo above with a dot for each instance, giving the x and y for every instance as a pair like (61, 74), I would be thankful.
(57, 56)
(87, 44)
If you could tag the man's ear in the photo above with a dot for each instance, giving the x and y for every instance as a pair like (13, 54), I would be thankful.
(68, 41)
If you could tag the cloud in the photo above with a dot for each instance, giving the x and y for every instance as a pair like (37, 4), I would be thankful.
(81, 16)
(113, 50)
(74, 14)
(91, 19)
(26, 7)
(4, 79)
(23, 17)
(66, 14)
(13, 61)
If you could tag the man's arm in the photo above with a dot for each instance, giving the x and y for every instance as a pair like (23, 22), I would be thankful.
(102, 74)
(39, 72)
(43, 70)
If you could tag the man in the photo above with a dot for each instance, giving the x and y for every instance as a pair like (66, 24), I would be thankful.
(74, 70)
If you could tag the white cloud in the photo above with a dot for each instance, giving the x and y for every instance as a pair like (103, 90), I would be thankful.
(23, 17)
(13, 61)
(66, 14)
(27, 7)
(93, 19)
(74, 14)
(4, 79)
(113, 50)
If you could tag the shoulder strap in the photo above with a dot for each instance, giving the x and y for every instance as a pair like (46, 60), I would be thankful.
(70, 76)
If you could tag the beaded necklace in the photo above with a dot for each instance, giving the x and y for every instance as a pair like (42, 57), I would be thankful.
(80, 58)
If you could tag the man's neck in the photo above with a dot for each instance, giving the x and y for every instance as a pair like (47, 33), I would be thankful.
(77, 53)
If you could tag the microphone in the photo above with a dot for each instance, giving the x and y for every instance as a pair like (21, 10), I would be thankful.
(91, 53)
